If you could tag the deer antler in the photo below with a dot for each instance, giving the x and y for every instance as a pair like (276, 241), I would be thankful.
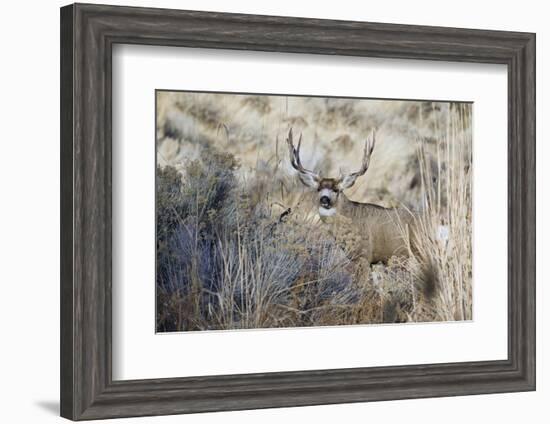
(348, 180)
(309, 178)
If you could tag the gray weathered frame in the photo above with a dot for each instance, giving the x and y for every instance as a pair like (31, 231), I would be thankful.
(88, 33)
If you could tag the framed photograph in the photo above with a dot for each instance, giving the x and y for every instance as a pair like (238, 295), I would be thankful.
(263, 211)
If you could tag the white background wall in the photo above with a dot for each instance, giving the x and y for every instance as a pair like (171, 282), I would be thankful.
(29, 224)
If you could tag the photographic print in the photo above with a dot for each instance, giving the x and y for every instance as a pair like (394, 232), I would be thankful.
(282, 211)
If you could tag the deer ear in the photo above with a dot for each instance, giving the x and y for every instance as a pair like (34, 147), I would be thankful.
(308, 180)
(347, 181)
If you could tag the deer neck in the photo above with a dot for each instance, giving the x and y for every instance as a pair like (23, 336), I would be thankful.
(345, 206)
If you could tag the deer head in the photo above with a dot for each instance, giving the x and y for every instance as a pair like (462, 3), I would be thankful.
(329, 189)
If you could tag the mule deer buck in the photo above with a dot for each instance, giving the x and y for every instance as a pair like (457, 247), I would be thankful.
(384, 231)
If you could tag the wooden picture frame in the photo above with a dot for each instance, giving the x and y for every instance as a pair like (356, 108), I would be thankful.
(88, 33)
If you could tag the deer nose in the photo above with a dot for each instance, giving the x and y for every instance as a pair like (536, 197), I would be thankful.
(325, 201)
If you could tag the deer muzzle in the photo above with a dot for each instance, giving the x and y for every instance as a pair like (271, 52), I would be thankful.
(325, 202)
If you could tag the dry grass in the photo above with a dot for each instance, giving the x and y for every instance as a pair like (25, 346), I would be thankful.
(448, 206)
(239, 243)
